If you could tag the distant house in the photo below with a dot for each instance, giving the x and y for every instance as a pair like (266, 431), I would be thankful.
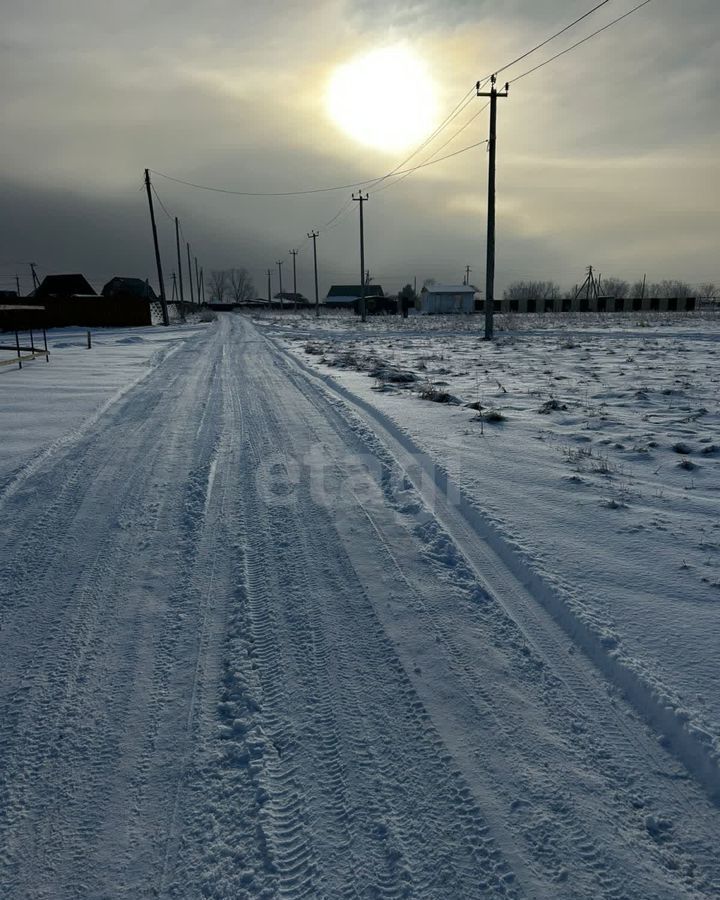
(129, 287)
(343, 296)
(65, 286)
(291, 298)
(443, 299)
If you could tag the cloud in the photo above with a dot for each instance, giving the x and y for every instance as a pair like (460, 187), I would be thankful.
(607, 155)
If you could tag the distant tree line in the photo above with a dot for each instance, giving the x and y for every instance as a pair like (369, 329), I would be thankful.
(231, 286)
(612, 287)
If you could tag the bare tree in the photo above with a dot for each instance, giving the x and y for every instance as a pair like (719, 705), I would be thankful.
(241, 285)
(708, 291)
(531, 290)
(218, 286)
(669, 288)
(614, 287)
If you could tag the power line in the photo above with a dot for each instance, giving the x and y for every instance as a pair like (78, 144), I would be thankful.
(457, 109)
(162, 205)
(441, 147)
(452, 115)
(584, 40)
(466, 99)
(205, 187)
(551, 38)
(460, 106)
(315, 190)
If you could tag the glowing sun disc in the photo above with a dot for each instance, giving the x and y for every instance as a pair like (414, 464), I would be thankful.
(385, 98)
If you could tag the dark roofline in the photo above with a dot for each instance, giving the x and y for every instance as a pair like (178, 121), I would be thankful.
(355, 290)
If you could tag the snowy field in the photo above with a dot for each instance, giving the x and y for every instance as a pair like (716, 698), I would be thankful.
(272, 625)
(43, 403)
(595, 453)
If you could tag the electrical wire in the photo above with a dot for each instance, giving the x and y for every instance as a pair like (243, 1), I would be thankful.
(162, 205)
(453, 114)
(552, 37)
(584, 40)
(205, 187)
(460, 106)
(441, 147)
(480, 84)
(368, 181)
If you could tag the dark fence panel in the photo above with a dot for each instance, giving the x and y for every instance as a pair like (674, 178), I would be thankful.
(88, 312)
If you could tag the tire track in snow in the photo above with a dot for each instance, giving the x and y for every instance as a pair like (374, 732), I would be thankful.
(625, 746)
(75, 656)
(417, 721)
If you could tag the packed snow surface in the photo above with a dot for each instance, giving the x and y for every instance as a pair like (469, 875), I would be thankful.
(273, 627)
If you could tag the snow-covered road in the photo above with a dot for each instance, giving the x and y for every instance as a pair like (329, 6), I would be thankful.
(241, 656)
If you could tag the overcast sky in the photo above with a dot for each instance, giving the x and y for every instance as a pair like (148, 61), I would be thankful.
(608, 156)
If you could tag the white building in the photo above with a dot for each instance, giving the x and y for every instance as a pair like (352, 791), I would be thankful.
(440, 299)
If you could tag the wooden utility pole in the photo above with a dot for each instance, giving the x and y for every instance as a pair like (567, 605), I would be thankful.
(35, 279)
(280, 265)
(197, 280)
(177, 242)
(294, 254)
(202, 284)
(314, 236)
(269, 275)
(190, 278)
(362, 200)
(490, 263)
(17, 282)
(467, 275)
(590, 286)
(163, 300)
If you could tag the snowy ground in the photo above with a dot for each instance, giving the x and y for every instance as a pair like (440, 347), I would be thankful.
(604, 472)
(255, 643)
(45, 402)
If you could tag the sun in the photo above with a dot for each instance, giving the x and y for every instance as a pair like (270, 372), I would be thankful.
(385, 99)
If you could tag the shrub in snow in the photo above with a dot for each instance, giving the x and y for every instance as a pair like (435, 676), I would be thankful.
(551, 405)
(681, 447)
(393, 375)
(439, 396)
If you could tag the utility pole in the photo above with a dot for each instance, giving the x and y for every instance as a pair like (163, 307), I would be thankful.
(314, 235)
(190, 278)
(197, 280)
(174, 287)
(177, 241)
(490, 264)
(294, 254)
(642, 293)
(362, 200)
(163, 301)
(17, 282)
(35, 280)
(279, 265)
(590, 286)
(269, 288)
(202, 284)
(467, 275)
